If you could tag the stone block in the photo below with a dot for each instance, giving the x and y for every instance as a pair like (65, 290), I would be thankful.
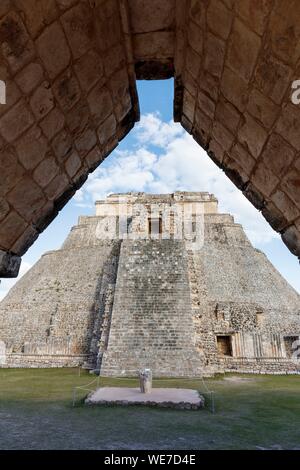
(100, 104)
(26, 197)
(215, 151)
(291, 238)
(86, 141)
(209, 84)
(234, 88)
(67, 90)
(46, 171)
(11, 170)
(262, 108)
(288, 125)
(156, 15)
(54, 50)
(291, 184)
(214, 55)
(255, 13)
(277, 154)
(219, 18)
(227, 114)
(16, 45)
(52, 123)
(108, 26)
(243, 158)
(37, 14)
(10, 230)
(73, 164)
(42, 101)
(32, 148)
(107, 129)
(25, 241)
(30, 77)
(222, 135)
(94, 157)
(16, 121)
(62, 145)
(206, 104)
(89, 70)
(243, 49)
(114, 60)
(272, 77)
(79, 27)
(189, 106)
(285, 205)
(4, 208)
(195, 37)
(252, 135)
(198, 12)
(57, 186)
(9, 264)
(192, 63)
(284, 30)
(264, 179)
(274, 216)
(158, 45)
(78, 118)
(203, 126)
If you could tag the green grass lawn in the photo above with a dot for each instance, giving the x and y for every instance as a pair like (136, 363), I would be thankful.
(251, 412)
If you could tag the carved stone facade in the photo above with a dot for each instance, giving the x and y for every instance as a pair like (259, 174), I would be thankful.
(159, 281)
(70, 70)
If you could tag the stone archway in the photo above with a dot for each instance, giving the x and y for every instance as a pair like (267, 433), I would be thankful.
(70, 68)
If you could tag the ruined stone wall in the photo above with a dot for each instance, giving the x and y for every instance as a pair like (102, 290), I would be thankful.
(241, 295)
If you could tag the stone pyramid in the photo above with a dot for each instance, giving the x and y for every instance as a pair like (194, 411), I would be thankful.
(131, 287)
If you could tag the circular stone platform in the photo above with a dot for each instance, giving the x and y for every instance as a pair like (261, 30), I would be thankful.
(180, 398)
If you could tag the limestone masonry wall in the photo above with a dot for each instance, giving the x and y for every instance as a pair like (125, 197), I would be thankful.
(70, 70)
(121, 304)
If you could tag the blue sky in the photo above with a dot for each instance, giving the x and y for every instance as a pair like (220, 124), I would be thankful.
(159, 156)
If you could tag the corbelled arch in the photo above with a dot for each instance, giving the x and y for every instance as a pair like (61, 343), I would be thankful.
(70, 70)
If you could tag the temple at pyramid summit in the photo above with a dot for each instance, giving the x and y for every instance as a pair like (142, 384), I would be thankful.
(163, 281)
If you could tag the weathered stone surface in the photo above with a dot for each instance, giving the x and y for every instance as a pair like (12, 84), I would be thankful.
(42, 101)
(53, 50)
(129, 303)
(70, 69)
(10, 229)
(32, 148)
(30, 77)
(34, 200)
(252, 135)
(9, 264)
(16, 121)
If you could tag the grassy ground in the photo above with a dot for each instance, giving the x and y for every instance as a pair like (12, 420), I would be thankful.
(251, 412)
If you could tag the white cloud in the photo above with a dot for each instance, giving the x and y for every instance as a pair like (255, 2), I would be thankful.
(7, 284)
(164, 158)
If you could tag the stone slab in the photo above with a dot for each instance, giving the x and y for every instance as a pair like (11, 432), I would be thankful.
(179, 398)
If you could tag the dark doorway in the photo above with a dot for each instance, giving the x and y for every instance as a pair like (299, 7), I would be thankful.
(224, 345)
